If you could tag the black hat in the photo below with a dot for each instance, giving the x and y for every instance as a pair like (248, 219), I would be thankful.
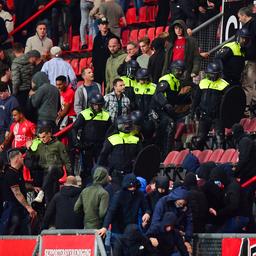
(103, 20)
(33, 53)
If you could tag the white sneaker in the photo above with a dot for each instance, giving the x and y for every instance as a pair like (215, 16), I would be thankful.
(40, 196)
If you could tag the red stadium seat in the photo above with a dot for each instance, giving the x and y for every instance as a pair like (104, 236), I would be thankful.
(180, 157)
(143, 14)
(142, 33)
(227, 156)
(89, 62)
(134, 35)
(90, 43)
(131, 16)
(245, 122)
(75, 44)
(75, 65)
(205, 156)
(151, 14)
(169, 160)
(252, 126)
(166, 29)
(216, 155)
(235, 158)
(180, 129)
(82, 64)
(196, 153)
(151, 34)
(159, 30)
(125, 37)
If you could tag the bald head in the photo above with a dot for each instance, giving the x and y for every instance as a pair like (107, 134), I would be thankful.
(71, 181)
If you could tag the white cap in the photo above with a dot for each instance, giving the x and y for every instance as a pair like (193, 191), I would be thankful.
(55, 51)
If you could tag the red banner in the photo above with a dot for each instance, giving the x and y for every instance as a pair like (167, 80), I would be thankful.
(239, 247)
(68, 245)
(17, 247)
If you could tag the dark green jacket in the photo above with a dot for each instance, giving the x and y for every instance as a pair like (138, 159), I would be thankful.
(93, 200)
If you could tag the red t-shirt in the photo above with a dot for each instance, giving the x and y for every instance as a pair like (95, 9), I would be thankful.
(68, 97)
(179, 49)
(22, 133)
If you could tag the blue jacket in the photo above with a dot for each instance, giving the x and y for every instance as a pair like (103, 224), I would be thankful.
(167, 204)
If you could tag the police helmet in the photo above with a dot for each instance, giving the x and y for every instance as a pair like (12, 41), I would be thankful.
(132, 67)
(213, 71)
(177, 68)
(137, 117)
(162, 86)
(96, 99)
(142, 74)
(124, 123)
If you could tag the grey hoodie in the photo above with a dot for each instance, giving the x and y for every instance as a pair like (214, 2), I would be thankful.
(46, 99)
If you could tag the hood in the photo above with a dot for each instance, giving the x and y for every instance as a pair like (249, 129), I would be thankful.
(70, 191)
(169, 219)
(203, 172)
(143, 184)
(190, 181)
(130, 179)
(39, 79)
(22, 60)
(219, 174)
(178, 193)
(162, 182)
(171, 29)
(100, 176)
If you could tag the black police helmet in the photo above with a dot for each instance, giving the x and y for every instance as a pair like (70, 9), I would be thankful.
(137, 117)
(244, 32)
(162, 86)
(124, 123)
(132, 67)
(177, 64)
(213, 68)
(97, 98)
(142, 74)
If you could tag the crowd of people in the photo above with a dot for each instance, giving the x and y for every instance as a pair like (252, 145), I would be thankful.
(73, 144)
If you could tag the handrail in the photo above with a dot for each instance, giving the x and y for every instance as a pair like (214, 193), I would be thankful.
(207, 23)
(216, 48)
(34, 16)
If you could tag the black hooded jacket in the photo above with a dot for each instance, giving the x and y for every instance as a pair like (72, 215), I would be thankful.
(60, 210)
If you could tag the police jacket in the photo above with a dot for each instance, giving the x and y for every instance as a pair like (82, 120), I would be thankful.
(232, 58)
(94, 126)
(119, 151)
(208, 97)
(143, 96)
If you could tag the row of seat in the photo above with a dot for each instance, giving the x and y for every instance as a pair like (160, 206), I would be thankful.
(221, 156)
(79, 64)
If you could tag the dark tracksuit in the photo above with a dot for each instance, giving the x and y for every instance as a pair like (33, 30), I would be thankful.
(94, 129)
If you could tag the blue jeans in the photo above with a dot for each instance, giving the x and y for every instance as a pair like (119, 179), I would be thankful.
(125, 5)
(86, 20)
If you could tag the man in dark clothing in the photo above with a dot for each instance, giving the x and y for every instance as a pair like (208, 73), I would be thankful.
(3, 32)
(14, 197)
(100, 51)
(34, 58)
(182, 47)
(203, 172)
(94, 122)
(60, 211)
(45, 98)
(165, 238)
(175, 202)
(125, 207)
(246, 166)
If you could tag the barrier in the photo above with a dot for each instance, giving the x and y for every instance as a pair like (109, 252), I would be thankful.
(224, 245)
(17, 245)
(70, 242)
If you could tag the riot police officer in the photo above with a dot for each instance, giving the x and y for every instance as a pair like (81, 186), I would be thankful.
(232, 57)
(94, 123)
(120, 149)
(207, 100)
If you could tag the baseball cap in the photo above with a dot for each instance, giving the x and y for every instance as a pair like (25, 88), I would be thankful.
(103, 20)
(55, 51)
(33, 53)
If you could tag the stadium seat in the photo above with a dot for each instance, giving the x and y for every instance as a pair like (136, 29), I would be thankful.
(205, 156)
(245, 122)
(143, 14)
(252, 126)
(75, 65)
(82, 64)
(227, 156)
(125, 37)
(234, 159)
(166, 29)
(89, 62)
(169, 160)
(75, 44)
(151, 13)
(180, 157)
(142, 33)
(134, 35)
(131, 16)
(90, 43)
(159, 30)
(151, 33)
(180, 128)
(196, 153)
(216, 155)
